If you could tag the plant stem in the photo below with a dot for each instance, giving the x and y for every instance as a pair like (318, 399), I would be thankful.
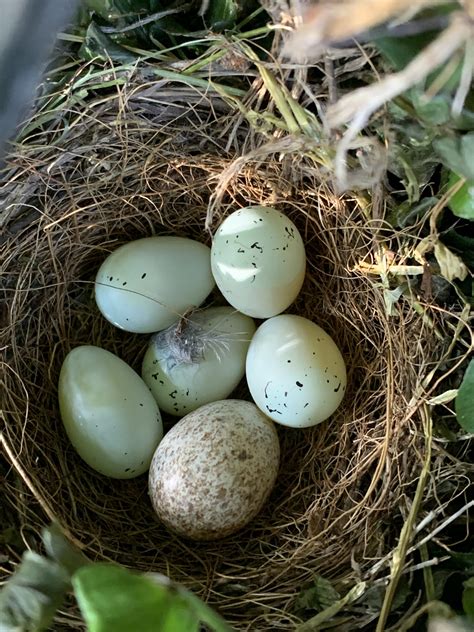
(407, 532)
(427, 575)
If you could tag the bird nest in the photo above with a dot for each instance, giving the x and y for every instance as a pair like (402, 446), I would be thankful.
(138, 164)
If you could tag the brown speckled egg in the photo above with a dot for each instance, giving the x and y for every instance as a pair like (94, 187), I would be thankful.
(214, 470)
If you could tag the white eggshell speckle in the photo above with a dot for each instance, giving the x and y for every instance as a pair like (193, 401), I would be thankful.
(258, 261)
(214, 470)
(108, 412)
(147, 284)
(199, 360)
(295, 372)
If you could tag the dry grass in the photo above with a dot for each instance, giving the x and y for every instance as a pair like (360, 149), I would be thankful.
(132, 166)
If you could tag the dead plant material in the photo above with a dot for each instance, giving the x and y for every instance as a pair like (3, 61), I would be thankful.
(126, 169)
(328, 23)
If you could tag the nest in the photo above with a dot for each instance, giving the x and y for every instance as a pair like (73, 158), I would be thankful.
(129, 168)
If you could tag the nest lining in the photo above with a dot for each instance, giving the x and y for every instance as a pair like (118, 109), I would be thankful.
(123, 172)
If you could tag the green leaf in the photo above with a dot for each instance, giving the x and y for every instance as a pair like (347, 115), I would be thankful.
(463, 561)
(406, 214)
(113, 599)
(331, 611)
(112, 10)
(440, 578)
(222, 13)
(30, 598)
(400, 51)
(435, 110)
(204, 613)
(98, 45)
(59, 549)
(468, 597)
(462, 202)
(320, 595)
(374, 596)
(464, 403)
(456, 153)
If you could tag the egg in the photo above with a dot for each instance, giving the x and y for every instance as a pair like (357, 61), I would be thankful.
(258, 261)
(108, 412)
(295, 371)
(199, 360)
(214, 470)
(147, 284)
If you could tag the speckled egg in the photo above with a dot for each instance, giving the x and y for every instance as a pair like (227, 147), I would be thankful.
(214, 470)
(199, 360)
(258, 261)
(295, 371)
(148, 284)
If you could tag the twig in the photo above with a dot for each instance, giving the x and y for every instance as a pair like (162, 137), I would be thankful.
(427, 574)
(443, 525)
(407, 531)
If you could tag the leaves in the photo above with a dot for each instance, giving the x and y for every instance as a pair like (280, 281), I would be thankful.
(464, 403)
(118, 9)
(468, 597)
(443, 398)
(59, 549)
(462, 202)
(97, 45)
(462, 244)
(29, 600)
(331, 611)
(222, 13)
(456, 152)
(451, 266)
(320, 595)
(113, 599)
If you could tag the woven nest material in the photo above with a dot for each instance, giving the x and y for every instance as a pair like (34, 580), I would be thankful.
(130, 167)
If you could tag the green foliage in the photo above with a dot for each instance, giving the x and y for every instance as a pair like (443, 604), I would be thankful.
(113, 599)
(61, 552)
(97, 45)
(468, 597)
(462, 202)
(29, 600)
(112, 28)
(319, 595)
(456, 153)
(464, 402)
(222, 14)
(118, 9)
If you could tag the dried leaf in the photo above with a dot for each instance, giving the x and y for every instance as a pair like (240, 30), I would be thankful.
(391, 298)
(451, 266)
(443, 398)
